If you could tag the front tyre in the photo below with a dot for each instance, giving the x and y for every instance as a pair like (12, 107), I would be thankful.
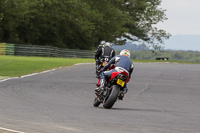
(112, 97)
(96, 102)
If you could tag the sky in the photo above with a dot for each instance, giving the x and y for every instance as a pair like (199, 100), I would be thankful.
(183, 24)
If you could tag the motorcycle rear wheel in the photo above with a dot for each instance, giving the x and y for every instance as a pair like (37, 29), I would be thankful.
(110, 101)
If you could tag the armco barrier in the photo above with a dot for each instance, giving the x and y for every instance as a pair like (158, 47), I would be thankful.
(46, 51)
(2, 49)
(9, 49)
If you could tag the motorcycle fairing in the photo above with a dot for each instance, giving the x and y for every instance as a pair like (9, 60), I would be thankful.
(114, 74)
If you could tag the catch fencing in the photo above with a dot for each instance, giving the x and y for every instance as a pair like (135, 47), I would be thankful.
(46, 51)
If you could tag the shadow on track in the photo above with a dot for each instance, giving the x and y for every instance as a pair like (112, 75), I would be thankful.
(137, 110)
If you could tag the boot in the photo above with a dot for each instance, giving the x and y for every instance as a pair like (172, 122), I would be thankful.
(121, 95)
(125, 90)
(101, 87)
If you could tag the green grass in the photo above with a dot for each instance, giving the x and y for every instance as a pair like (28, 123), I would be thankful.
(13, 66)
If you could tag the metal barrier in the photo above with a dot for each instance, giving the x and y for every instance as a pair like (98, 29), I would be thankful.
(2, 49)
(46, 51)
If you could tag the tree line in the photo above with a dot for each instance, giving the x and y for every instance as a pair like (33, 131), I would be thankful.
(188, 56)
(80, 24)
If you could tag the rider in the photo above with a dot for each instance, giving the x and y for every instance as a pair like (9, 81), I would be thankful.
(121, 61)
(104, 51)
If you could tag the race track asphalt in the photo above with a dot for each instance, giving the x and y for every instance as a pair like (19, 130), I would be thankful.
(162, 98)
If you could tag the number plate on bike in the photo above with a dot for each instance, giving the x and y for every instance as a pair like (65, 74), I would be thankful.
(104, 63)
(120, 82)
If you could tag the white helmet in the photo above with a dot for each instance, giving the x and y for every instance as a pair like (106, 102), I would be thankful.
(108, 44)
(103, 42)
(125, 52)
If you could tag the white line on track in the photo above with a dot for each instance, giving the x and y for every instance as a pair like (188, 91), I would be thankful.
(5, 130)
(83, 63)
(38, 73)
(29, 75)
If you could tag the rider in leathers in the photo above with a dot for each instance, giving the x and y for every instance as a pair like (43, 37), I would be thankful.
(104, 51)
(122, 62)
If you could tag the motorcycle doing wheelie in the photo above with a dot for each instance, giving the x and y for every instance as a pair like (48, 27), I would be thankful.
(113, 89)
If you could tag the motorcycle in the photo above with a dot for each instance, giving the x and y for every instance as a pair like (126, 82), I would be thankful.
(113, 90)
(103, 62)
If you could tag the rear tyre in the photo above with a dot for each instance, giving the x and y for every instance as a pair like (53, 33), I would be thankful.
(112, 98)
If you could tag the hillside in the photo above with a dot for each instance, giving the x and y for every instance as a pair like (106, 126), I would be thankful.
(130, 46)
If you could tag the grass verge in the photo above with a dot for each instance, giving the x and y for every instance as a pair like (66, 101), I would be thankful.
(14, 66)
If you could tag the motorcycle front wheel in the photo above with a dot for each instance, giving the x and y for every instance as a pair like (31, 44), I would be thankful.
(96, 102)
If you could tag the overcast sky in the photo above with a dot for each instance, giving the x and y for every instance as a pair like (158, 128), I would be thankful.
(183, 16)
(183, 23)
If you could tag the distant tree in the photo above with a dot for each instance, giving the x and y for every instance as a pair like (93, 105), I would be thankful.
(80, 24)
(145, 14)
(12, 13)
(178, 55)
